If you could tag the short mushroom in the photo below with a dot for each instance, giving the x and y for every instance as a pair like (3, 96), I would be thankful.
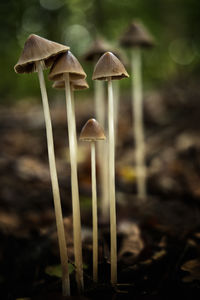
(39, 53)
(92, 132)
(67, 68)
(110, 68)
(135, 38)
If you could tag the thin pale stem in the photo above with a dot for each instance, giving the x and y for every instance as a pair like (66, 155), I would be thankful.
(137, 106)
(99, 97)
(116, 105)
(74, 119)
(104, 182)
(111, 163)
(55, 187)
(94, 213)
(74, 187)
(99, 101)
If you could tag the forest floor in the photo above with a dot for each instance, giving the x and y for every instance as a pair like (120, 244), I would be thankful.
(158, 239)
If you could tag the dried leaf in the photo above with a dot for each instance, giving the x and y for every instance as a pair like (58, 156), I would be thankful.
(193, 267)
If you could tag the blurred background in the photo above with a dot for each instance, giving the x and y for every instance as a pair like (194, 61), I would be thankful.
(173, 23)
(171, 73)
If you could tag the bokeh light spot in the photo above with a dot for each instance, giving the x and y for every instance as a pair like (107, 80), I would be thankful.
(182, 51)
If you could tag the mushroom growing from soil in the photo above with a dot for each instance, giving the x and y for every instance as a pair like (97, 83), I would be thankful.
(92, 132)
(39, 53)
(109, 68)
(67, 68)
(135, 38)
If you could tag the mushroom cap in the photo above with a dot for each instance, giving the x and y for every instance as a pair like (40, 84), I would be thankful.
(136, 35)
(58, 84)
(98, 48)
(109, 66)
(92, 131)
(80, 84)
(36, 49)
(66, 63)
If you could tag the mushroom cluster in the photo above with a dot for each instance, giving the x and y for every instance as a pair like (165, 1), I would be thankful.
(67, 73)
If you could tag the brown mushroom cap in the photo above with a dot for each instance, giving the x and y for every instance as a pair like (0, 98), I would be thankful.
(66, 63)
(58, 84)
(80, 84)
(109, 66)
(92, 131)
(36, 49)
(136, 35)
(98, 48)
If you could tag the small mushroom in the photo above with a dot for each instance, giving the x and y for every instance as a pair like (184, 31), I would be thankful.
(39, 53)
(135, 38)
(67, 68)
(92, 132)
(110, 68)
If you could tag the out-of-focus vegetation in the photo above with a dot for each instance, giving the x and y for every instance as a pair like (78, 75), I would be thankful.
(174, 23)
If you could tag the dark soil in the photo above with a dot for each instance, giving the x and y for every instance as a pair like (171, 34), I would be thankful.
(158, 239)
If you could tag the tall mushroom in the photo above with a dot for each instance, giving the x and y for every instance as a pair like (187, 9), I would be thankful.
(92, 132)
(67, 68)
(96, 50)
(109, 68)
(39, 53)
(135, 38)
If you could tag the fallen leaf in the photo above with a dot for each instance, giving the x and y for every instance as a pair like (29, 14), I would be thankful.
(193, 267)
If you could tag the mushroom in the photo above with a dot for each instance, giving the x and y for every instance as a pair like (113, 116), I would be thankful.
(92, 132)
(66, 68)
(109, 68)
(135, 38)
(39, 53)
(96, 50)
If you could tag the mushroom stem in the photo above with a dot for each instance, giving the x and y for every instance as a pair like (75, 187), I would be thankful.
(99, 101)
(74, 187)
(116, 105)
(101, 148)
(111, 164)
(55, 187)
(94, 213)
(104, 183)
(74, 118)
(137, 107)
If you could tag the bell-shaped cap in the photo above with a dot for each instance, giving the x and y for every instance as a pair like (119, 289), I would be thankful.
(92, 131)
(98, 48)
(58, 84)
(36, 49)
(136, 35)
(66, 63)
(80, 84)
(109, 66)
(77, 85)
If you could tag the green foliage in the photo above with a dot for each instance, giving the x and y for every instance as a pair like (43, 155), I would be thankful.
(57, 271)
